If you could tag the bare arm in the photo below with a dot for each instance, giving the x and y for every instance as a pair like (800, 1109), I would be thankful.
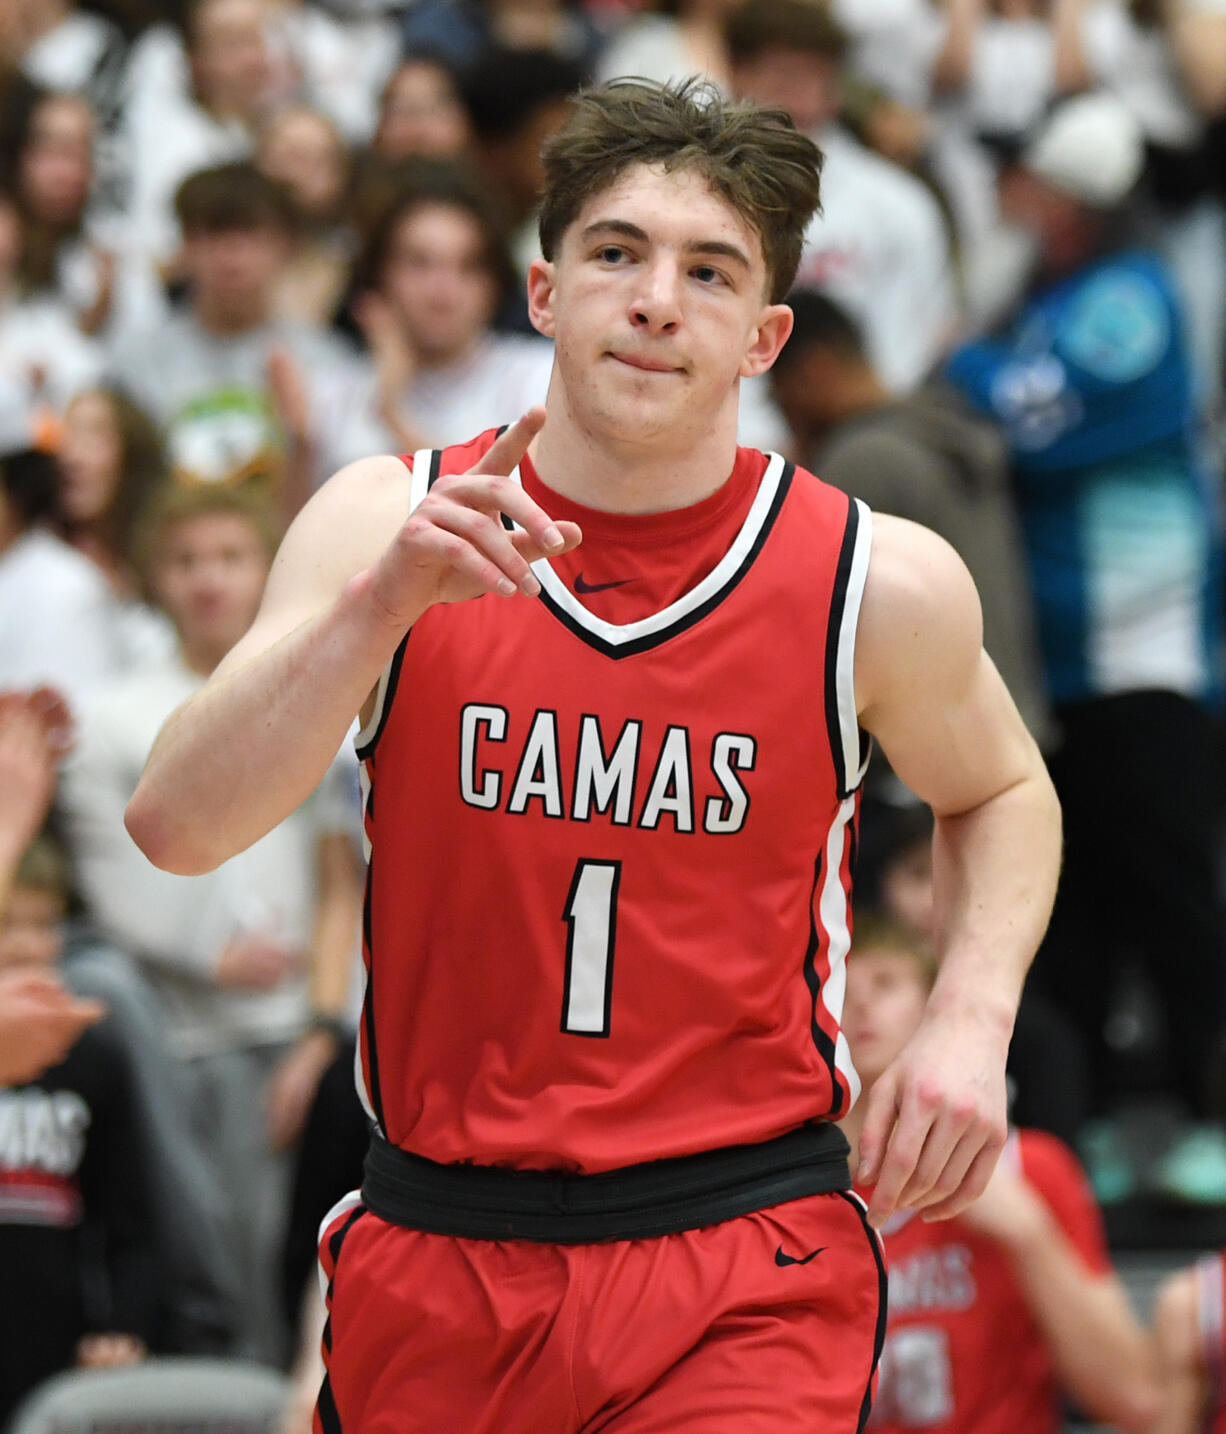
(353, 575)
(1183, 1380)
(1104, 1359)
(1072, 69)
(953, 64)
(1197, 40)
(935, 1121)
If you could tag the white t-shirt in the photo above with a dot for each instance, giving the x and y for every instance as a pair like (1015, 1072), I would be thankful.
(1136, 64)
(58, 621)
(73, 56)
(881, 249)
(894, 45)
(336, 66)
(1012, 76)
(651, 47)
(210, 395)
(166, 136)
(495, 382)
(44, 353)
(177, 926)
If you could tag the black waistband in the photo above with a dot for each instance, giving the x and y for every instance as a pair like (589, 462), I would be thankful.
(659, 1197)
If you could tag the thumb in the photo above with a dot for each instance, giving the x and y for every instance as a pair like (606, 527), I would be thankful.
(509, 448)
(875, 1132)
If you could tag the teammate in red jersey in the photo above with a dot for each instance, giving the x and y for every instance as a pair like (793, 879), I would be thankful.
(611, 809)
(997, 1313)
(1190, 1328)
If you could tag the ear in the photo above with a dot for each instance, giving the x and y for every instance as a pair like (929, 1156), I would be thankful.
(541, 296)
(773, 327)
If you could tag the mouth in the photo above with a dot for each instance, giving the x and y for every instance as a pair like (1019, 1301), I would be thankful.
(645, 365)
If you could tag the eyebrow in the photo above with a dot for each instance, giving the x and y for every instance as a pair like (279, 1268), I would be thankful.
(698, 246)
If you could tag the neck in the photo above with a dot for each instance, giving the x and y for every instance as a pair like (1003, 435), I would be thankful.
(44, 17)
(200, 657)
(859, 392)
(224, 323)
(627, 475)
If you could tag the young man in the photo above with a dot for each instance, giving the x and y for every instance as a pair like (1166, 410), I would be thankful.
(235, 389)
(1091, 381)
(612, 789)
(227, 955)
(435, 272)
(995, 1313)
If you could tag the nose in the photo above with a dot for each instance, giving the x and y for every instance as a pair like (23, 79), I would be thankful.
(656, 305)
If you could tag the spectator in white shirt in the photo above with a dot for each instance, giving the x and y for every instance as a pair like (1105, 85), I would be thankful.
(109, 463)
(234, 389)
(880, 247)
(237, 956)
(428, 283)
(422, 113)
(305, 153)
(44, 356)
(57, 625)
(53, 149)
(172, 131)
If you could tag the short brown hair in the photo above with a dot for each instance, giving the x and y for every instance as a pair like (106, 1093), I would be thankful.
(755, 158)
(877, 932)
(758, 26)
(172, 505)
(231, 197)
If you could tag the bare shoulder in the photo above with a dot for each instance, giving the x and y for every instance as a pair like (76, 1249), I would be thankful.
(919, 615)
(350, 520)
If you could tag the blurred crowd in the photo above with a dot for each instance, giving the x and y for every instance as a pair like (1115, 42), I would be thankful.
(245, 242)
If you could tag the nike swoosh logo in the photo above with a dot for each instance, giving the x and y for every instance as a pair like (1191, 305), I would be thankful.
(781, 1259)
(581, 586)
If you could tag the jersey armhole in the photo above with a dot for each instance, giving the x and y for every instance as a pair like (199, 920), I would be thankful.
(849, 743)
(423, 471)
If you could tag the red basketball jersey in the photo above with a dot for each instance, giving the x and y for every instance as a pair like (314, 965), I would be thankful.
(609, 860)
(1211, 1301)
(963, 1354)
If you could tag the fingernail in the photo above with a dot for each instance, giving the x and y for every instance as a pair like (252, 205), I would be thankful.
(530, 585)
(506, 587)
(553, 539)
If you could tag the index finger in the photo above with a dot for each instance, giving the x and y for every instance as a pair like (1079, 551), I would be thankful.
(901, 1157)
(508, 449)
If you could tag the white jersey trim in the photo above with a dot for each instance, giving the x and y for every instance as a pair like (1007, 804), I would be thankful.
(854, 754)
(720, 577)
(834, 913)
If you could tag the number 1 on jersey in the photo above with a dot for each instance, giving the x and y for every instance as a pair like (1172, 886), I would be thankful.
(591, 918)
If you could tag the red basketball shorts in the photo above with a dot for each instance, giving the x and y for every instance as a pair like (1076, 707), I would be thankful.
(769, 1323)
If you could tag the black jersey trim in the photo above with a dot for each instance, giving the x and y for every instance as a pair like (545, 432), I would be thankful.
(822, 1040)
(691, 615)
(849, 745)
(368, 1002)
(385, 694)
(657, 1197)
(883, 1298)
(329, 1418)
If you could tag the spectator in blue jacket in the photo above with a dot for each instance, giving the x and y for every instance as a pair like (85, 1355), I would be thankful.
(1091, 381)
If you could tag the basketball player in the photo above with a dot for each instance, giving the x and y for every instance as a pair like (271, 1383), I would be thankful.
(1190, 1328)
(611, 809)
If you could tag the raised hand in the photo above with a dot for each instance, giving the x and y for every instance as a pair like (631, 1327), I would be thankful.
(39, 1022)
(454, 546)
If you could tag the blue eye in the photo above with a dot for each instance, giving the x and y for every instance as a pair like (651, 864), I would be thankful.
(706, 274)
